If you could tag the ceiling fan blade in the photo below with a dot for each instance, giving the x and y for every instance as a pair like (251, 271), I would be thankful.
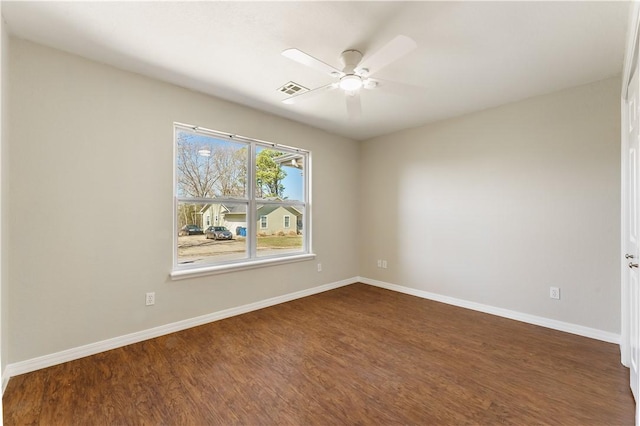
(390, 52)
(395, 87)
(354, 106)
(310, 94)
(308, 60)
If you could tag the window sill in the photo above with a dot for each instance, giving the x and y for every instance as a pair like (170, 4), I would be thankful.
(252, 264)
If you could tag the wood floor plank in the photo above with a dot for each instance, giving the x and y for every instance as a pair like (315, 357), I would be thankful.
(354, 355)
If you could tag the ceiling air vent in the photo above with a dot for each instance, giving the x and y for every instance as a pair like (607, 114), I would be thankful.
(292, 88)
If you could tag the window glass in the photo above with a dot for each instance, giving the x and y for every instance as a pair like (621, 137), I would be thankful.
(279, 174)
(221, 241)
(208, 167)
(276, 239)
(236, 199)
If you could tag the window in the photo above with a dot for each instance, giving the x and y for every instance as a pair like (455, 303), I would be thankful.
(249, 188)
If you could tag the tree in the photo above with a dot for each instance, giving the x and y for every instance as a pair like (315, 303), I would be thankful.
(209, 168)
(195, 176)
(187, 215)
(231, 165)
(269, 174)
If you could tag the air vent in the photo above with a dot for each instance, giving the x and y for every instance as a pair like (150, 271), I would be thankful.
(292, 88)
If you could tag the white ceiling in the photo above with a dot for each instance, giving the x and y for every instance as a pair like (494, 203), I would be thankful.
(470, 55)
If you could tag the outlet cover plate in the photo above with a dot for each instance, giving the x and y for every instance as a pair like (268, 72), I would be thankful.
(150, 299)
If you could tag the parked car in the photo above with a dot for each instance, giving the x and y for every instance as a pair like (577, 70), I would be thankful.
(190, 230)
(218, 233)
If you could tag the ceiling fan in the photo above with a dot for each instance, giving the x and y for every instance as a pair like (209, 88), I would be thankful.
(356, 72)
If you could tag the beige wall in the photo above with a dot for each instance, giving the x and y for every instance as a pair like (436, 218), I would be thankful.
(4, 185)
(497, 206)
(91, 203)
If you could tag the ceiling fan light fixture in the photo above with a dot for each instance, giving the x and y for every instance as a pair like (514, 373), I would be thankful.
(350, 83)
(204, 152)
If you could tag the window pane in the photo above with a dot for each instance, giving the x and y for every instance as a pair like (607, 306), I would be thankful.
(279, 174)
(213, 201)
(275, 239)
(210, 167)
(211, 233)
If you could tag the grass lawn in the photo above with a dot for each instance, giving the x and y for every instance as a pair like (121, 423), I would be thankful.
(274, 241)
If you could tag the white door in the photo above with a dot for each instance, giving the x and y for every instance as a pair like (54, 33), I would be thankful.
(633, 238)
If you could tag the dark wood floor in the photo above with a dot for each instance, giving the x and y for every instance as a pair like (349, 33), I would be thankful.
(355, 355)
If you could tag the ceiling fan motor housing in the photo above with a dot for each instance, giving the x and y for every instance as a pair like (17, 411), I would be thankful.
(350, 60)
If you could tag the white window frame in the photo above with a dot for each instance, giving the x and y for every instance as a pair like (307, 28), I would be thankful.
(286, 221)
(182, 271)
(264, 224)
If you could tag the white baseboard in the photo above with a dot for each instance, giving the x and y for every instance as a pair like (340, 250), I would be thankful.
(44, 361)
(506, 313)
(5, 379)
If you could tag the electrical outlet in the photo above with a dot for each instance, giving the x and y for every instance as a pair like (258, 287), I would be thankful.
(554, 293)
(319, 267)
(379, 263)
(384, 264)
(150, 299)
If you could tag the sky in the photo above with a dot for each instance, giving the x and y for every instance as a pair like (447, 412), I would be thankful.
(293, 183)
